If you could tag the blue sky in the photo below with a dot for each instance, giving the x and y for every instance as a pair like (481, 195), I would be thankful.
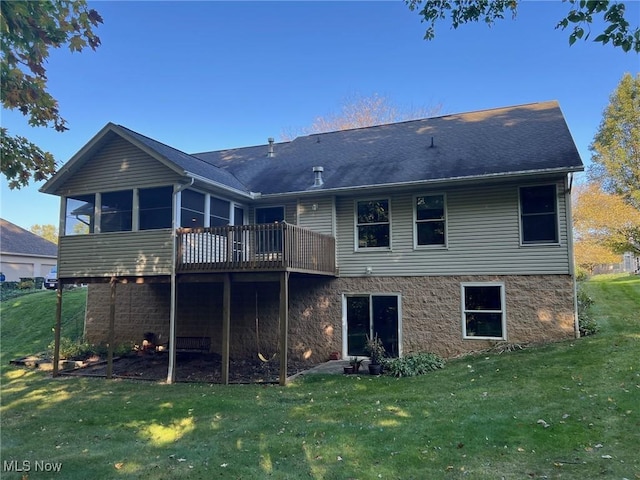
(211, 75)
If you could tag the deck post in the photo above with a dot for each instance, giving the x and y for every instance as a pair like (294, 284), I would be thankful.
(112, 324)
(57, 328)
(226, 327)
(284, 325)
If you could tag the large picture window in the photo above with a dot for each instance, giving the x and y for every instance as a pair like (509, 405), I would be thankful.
(80, 215)
(430, 220)
(483, 314)
(155, 207)
(373, 224)
(116, 211)
(538, 214)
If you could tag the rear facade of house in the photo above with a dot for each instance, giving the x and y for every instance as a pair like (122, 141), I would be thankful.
(447, 234)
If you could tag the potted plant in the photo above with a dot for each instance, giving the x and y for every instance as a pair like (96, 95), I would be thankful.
(375, 349)
(356, 362)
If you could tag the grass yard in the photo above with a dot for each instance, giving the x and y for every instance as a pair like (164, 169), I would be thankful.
(569, 410)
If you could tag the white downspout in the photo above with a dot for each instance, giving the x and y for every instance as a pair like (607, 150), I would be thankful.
(174, 260)
(572, 265)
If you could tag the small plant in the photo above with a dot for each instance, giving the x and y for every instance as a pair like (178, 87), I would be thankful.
(413, 364)
(375, 349)
(356, 363)
(586, 323)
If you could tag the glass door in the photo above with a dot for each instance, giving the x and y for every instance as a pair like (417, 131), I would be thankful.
(372, 315)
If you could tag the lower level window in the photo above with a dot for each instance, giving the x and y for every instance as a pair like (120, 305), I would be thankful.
(483, 313)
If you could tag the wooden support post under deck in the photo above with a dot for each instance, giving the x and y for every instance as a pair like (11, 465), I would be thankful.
(226, 327)
(284, 325)
(56, 334)
(112, 324)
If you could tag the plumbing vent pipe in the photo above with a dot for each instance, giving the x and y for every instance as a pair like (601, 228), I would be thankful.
(317, 172)
(270, 151)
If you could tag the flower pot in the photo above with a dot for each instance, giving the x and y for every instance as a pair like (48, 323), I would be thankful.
(348, 370)
(375, 368)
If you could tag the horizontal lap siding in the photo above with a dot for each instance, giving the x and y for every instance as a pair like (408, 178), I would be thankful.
(120, 254)
(119, 165)
(319, 220)
(482, 231)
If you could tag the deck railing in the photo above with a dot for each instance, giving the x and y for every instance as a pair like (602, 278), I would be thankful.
(263, 247)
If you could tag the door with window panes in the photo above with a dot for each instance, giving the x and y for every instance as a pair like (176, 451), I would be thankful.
(368, 315)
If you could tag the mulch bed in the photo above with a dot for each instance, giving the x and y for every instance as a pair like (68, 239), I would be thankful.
(190, 367)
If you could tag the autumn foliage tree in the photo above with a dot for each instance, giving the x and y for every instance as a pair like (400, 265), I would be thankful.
(604, 226)
(46, 231)
(29, 30)
(360, 111)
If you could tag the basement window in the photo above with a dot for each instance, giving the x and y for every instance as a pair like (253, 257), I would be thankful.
(483, 312)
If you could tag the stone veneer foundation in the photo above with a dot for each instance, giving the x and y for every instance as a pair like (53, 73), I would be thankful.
(539, 308)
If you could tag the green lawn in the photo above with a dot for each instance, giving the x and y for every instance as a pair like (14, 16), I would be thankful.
(568, 410)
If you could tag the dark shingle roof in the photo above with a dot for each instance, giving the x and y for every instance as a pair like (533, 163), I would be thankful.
(503, 141)
(188, 163)
(18, 241)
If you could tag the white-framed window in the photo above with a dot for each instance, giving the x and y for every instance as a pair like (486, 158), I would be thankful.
(430, 220)
(483, 311)
(539, 215)
(373, 224)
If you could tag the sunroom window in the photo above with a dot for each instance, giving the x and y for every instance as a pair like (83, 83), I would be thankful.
(430, 220)
(483, 314)
(538, 214)
(373, 224)
(219, 212)
(80, 215)
(192, 211)
(155, 207)
(116, 211)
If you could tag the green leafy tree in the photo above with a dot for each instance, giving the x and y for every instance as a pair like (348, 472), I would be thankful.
(616, 145)
(581, 16)
(47, 231)
(29, 29)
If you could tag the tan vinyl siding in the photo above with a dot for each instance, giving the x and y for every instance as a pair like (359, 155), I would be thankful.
(121, 254)
(119, 165)
(320, 219)
(483, 238)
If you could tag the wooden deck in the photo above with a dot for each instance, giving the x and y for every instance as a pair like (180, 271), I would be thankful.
(274, 247)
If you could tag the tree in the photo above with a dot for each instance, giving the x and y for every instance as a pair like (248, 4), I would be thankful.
(362, 111)
(604, 224)
(580, 18)
(48, 232)
(29, 29)
(616, 145)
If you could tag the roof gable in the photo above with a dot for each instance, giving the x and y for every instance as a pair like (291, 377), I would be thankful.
(18, 241)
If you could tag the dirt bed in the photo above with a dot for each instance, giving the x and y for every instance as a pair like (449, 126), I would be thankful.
(190, 368)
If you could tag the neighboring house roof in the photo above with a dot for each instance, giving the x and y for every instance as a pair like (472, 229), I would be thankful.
(16, 240)
(510, 141)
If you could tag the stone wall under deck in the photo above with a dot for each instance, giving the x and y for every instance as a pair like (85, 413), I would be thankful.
(539, 308)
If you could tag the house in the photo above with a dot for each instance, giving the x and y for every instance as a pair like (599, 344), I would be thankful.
(24, 254)
(445, 234)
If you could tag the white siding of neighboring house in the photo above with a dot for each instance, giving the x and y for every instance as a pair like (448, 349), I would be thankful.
(482, 230)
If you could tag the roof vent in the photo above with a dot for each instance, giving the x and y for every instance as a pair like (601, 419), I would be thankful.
(270, 151)
(317, 171)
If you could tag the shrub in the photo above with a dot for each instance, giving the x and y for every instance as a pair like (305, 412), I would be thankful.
(581, 274)
(413, 364)
(586, 323)
(70, 350)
